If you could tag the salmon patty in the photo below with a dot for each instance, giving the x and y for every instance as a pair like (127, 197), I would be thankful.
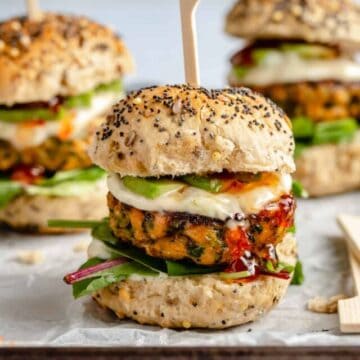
(320, 101)
(53, 155)
(203, 240)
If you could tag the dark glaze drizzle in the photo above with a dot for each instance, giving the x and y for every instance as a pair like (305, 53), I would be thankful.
(240, 240)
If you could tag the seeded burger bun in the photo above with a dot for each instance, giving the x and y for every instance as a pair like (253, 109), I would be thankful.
(59, 55)
(330, 168)
(31, 213)
(326, 21)
(173, 130)
(176, 130)
(197, 301)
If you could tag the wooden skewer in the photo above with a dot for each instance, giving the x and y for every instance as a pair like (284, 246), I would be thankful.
(350, 225)
(189, 37)
(33, 9)
(349, 309)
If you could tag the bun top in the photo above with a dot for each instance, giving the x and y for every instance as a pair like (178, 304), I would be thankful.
(324, 21)
(59, 55)
(177, 130)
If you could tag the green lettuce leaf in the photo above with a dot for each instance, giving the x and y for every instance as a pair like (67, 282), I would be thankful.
(68, 183)
(298, 277)
(8, 191)
(113, 86)
(303, 127)
(68, 188)
(63, 183)
(240, 71)
(90, 174)
(298, 190)
(292, 229)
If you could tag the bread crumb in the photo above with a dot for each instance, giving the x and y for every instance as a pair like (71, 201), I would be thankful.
(30, 257)
(216, 155)
(186, 324)
(320, 304)
(124, 294)
(137, 101)
(81, 246)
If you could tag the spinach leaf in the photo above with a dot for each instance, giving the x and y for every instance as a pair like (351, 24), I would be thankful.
(180, 268)
(109, 276)
(172, 268)
(103, 232)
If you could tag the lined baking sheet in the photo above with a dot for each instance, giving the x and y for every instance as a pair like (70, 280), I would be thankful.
(36, 307)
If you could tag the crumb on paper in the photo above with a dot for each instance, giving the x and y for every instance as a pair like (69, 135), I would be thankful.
(81, 246)
(186, 324)
(320, 304)
(30, 257)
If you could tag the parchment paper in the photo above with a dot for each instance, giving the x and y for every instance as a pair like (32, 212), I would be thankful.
(37, 308)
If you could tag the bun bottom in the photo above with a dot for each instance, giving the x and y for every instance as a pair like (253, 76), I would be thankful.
(204, 301)
(30, 213)
(330, 169)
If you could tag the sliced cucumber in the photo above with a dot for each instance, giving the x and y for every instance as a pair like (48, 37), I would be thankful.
(79, 101)
(240, 71)
(150, 188)
(310, 51)
(335, 132)
(204, 183)
(114, 86)
(298, 190)
(21, 115)
(261, 56)
(235, 275)
(303, 127)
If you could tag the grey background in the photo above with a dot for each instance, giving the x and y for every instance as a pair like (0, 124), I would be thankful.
(151, 29)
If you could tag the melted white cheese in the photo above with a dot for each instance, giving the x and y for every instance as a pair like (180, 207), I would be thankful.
(24, 135)
(290, 68)
(196, 201)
